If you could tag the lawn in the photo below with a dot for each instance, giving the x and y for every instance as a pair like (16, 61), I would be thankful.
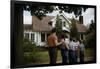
(42, 57)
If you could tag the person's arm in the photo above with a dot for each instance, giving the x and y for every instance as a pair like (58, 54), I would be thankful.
(67, 46)
(57, 43)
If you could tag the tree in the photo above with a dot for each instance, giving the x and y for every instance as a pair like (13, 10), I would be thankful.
(41, 10)
(77, 10)
(91, 35)
(58, 26)
(92, 27)
(73, 30)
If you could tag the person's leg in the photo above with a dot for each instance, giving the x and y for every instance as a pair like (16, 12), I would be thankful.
(76, 56)
(70, 56)
(52, 55)
(64, 56)
(81, 57)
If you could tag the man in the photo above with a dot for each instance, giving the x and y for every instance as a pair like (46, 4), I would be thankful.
(53, 43)
(73, 51)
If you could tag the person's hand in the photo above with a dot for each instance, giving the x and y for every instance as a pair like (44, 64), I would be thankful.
(60, 43)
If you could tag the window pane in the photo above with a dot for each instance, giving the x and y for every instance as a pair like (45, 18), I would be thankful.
(42, 37)
(27, 35)
(32, 37)
(48, 35)
(82, 36)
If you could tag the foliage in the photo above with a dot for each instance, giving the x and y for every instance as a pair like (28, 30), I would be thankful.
(77, 10)
(28, 46)
(39, 10)
(30, 51)
(90, 40)
(92, 27)
(42, 10)
(91, 36)
(31, 57)
(73, 30)
(58, 26)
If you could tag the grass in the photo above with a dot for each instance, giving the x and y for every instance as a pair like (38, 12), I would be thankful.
(89, 52)
(42, 57)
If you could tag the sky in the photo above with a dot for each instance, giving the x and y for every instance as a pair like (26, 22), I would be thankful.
(88, 15)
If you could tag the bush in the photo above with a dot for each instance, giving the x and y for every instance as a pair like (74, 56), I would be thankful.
(28, 46)
(30, 51)
(91, 35)
(90, 40)
(33, 53)
(31, 57)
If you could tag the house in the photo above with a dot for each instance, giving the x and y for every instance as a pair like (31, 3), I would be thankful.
(38, 31)
(81, 28)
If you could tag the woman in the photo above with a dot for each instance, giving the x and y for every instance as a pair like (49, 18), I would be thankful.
(64, 49)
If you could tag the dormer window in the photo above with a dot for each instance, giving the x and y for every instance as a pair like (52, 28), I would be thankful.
(50, 23)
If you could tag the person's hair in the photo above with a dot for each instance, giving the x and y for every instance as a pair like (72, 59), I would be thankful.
(53, 30)
(62, 36)
(81, 41)
(71, 39)
(74, 39)
(66, 36)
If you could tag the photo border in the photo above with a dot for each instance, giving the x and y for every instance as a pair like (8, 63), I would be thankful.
(13, 25)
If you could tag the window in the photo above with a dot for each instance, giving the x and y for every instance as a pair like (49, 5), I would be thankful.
(32, 37)
(42, 37)
(48, 35)
(27, 35)
(82, 36)
(64, 23)
(50, 23)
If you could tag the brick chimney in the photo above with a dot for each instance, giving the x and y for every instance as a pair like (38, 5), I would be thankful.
(81, 19)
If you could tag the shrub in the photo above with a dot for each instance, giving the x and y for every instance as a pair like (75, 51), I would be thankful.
(90, 40)
(30, 51)
(28, 46)
(31, 57)
(33, 53)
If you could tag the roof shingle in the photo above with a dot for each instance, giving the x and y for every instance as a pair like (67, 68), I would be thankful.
(41, 25)
(81, 28)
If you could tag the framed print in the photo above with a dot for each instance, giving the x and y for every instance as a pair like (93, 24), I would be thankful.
(52, 34)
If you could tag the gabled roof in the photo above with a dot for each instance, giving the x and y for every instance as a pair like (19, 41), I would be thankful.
(41, 25)
(81, 28)
(28, 27)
